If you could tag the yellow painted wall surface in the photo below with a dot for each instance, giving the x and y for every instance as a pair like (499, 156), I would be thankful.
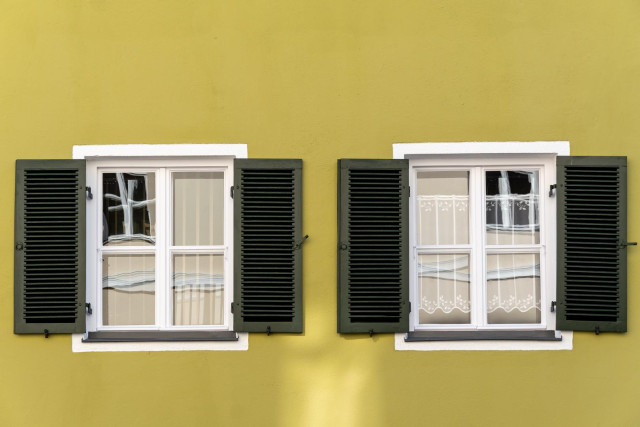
(318, 80)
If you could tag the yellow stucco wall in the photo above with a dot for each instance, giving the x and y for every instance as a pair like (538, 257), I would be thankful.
(318, 80)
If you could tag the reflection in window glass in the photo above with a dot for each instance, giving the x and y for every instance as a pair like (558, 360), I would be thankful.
(443, 284)
(198, 208)
(128, 289)
(443, 208)
(128, 207)
(512, 207)
(198, 289)
(513, 288)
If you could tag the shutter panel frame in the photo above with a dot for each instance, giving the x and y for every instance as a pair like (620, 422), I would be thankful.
(570, 308)
(239, 305)
(345, 324)
(24, 311)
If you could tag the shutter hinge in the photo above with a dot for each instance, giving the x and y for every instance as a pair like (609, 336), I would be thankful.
(552, 188)
(371, 333)
(268, 330)
(89, 309)
(597, 330)
(409, 191)
(46, 333)
(553, 306)
(89, 194)
(231, 191)
(409, 306)
(231, 308)
(299, 244)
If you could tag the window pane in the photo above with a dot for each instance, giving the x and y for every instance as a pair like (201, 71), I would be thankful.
(198, 208)
(443, 208)
(198, 289)
(443, 287)
(129, 214)
(512, 208)
(513, 288)
(128, 289)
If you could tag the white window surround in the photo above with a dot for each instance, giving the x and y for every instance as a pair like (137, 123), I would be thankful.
(469, 151)
(198, 154)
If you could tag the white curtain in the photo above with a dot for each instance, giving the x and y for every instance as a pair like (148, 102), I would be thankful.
(513, 279)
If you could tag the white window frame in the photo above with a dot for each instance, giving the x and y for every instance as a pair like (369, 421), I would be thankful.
(163, 159)
(477, 157)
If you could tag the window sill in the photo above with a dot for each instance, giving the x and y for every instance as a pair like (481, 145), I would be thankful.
(418, 336)
(484, 341)
(159, 336)
(159, 341)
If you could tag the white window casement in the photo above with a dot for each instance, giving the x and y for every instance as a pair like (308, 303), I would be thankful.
(160, 244)
(482, 244)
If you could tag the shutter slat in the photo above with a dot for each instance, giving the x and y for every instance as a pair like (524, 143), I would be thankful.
(50, 246)
(591, 228)
(373, 246)
(267, 275)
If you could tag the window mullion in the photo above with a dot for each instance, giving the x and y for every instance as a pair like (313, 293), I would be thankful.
(161, 248)
(479, 247)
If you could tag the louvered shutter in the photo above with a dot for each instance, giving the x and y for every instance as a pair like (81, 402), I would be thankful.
(373, 246)
(267, 239)
(592, 233)
(49, 276)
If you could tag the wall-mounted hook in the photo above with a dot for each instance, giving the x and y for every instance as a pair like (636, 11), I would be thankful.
(299, 244)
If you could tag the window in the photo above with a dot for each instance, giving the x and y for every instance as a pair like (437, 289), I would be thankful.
(162, 232)
(158, 247)
(482, 243)
(454, 245)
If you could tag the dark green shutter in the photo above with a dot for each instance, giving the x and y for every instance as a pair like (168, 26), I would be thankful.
(373, 246)
(49, 275)
(267, 239)
(592, 237)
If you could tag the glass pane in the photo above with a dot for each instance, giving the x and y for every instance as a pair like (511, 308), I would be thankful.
(443, 287)
(512, 208)
(513, 288)
(443, 208)
(198, 289)
(128, 289)
(198, 208)
(129, 209)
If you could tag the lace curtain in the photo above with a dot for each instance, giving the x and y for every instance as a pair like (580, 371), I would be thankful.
(513, 279)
